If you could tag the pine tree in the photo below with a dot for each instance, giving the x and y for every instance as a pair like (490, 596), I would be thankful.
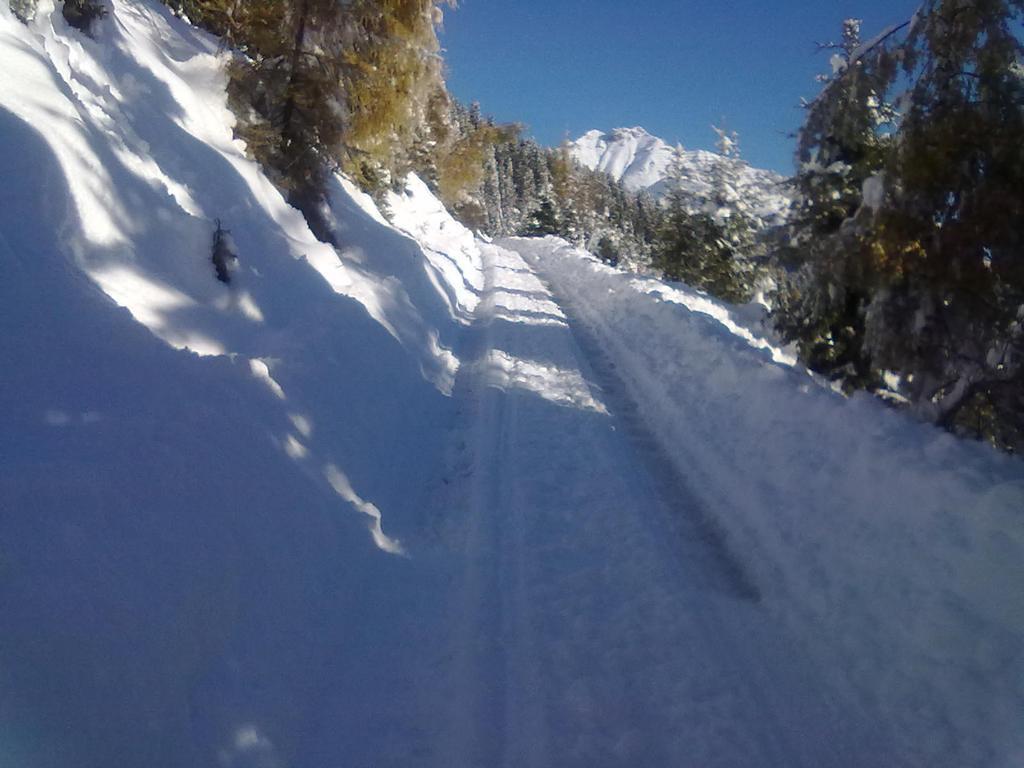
(392, 80)
(738, 224)
(322, 83)
(542, 220)
(468, 169)
(285, 88)
(841, 147)
(690, 245)
(491, 195)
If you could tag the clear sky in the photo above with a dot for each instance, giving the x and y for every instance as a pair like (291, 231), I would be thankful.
(563, 67)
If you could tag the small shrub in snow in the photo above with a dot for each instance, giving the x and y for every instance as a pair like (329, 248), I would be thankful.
(82, 14)
(23, 9)
(607, 250)
(225, 257)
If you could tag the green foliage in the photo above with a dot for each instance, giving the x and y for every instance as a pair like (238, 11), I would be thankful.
(845, 136)
(544, 221)
(322, 84)
(843, 144)
(692, 247)
(708, 242)
(467, 162)
(213, 15)
(950, 239)
(284, 88)
(394, 89)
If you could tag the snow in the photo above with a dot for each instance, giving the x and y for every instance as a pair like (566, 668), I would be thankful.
(873, 192)
(873, 43)
(429, 500)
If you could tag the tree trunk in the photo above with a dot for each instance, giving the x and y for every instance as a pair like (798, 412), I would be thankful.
(288, 115)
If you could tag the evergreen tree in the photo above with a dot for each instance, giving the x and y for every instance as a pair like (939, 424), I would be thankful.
(469, 170)
(285, 88)
(392, 83)
(909, 234)
(607, 250)
(690, 245)
(841, 147)
(947, 251)
(543, 220)
(318, 84)
(740, 227)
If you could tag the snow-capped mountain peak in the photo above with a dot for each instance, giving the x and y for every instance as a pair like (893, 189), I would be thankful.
(630, 155)
(642, 161)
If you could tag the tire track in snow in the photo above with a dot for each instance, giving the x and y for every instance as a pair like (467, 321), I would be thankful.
(688, 521)
(591, 623)
(785, 716)
(487, 607)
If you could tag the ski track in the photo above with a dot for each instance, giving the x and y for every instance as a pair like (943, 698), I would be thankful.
(598, 619)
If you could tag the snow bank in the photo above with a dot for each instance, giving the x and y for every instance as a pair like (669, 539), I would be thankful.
(897, 549)
(205, 490)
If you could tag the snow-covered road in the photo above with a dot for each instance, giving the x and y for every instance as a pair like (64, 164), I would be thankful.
(600, 620)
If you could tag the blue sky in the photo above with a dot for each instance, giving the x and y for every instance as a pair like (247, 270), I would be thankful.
(672, 66)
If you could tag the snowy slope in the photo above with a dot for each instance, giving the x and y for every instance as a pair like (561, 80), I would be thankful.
(413, 502)
(205, 492)
(643, 162)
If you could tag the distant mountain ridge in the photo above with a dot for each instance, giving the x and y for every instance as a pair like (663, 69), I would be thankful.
(642, 161)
